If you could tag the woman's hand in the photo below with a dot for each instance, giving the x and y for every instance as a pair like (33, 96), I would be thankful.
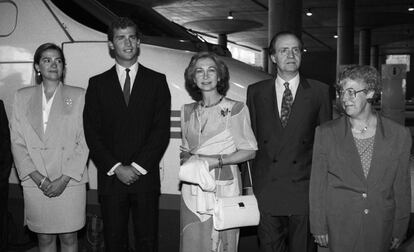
(213, 161)
(395, 243)
(56, 187)
(322, 240)
(45, 184)
(184, 156)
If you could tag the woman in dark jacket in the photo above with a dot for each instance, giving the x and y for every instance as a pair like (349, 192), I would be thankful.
(360, 192)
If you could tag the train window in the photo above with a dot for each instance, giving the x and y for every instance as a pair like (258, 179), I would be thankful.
(8, 14)
(399, 59)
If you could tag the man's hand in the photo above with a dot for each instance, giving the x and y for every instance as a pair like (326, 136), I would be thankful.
(56, 187)
(322, 240)
(45, 185)
(127, 174)
(395, 243)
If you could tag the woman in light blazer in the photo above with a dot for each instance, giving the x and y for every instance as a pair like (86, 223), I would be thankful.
(360, 194)
(50, 152)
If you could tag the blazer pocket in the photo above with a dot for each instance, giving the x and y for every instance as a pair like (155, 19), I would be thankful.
(334, 179)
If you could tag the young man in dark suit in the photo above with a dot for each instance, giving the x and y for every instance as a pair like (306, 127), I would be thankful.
(284, 113)
(5, 166)
(127, 128)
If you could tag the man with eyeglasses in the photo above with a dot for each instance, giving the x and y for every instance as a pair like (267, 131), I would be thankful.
(284, 114)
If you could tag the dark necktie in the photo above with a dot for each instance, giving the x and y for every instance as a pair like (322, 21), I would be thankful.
(287, 101)
(127, 86)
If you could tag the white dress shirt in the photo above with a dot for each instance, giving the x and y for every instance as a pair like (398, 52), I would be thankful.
(46, 106)
(120, 70)
(280, 89)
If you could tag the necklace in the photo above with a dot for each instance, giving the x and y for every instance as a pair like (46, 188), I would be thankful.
(211, 105)
(361, 131)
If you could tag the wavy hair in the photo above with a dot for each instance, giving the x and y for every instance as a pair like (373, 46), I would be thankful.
(366, 74)
(222, 74)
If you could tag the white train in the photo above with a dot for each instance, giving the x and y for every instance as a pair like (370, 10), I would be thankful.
(25, 24)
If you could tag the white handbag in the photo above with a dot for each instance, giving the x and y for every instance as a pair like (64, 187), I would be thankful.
(236, 211)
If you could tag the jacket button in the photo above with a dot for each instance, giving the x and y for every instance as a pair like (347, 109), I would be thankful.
(366, 211)
(274, 160)
(294, 162)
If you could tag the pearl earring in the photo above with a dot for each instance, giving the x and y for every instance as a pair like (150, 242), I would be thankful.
(38, 74)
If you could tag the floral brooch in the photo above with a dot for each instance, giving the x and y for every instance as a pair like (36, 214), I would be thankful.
(224, 112)
(68, 101)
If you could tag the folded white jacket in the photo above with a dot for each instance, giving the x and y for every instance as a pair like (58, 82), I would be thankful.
(195, 171)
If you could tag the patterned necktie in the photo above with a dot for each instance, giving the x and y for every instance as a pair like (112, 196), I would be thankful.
(127, 86)
(287, 101)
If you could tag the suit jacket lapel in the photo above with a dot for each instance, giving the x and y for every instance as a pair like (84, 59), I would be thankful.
(56, 112)
(350, 152)
(270, 93)
(139, 87)
(34, 112)
(381, 151)
(297, 113)
(116, 90)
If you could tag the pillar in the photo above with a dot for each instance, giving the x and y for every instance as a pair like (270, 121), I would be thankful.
(222, 40)
(364, 46)
(374, 59)
(284, 15)
(345, 43)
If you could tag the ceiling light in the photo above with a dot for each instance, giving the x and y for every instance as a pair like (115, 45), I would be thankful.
(411, 6)
(335, 36)
(308, 12)
(230, 16)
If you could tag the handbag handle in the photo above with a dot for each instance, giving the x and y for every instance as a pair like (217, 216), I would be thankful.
(248, 169)
(250, 174)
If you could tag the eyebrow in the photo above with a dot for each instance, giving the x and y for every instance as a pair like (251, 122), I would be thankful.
(207, 67)
(47, 57)
(125, 35)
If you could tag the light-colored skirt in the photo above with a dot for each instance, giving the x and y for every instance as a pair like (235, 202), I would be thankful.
(196, 235)
(62, 214)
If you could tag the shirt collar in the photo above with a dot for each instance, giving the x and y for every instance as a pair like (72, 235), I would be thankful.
(120, 69)
(294, 82)
(44, 100)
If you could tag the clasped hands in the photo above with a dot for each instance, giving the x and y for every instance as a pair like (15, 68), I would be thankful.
(127, 174)
(54, 188)
(322, 240)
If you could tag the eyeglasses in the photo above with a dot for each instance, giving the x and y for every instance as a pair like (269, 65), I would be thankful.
(287, 51)
(350, 92)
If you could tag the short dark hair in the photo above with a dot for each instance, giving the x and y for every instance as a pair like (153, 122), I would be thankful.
(222, 72)
(122, 23)
(367, 74)
(272, 49)
(38, 54)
